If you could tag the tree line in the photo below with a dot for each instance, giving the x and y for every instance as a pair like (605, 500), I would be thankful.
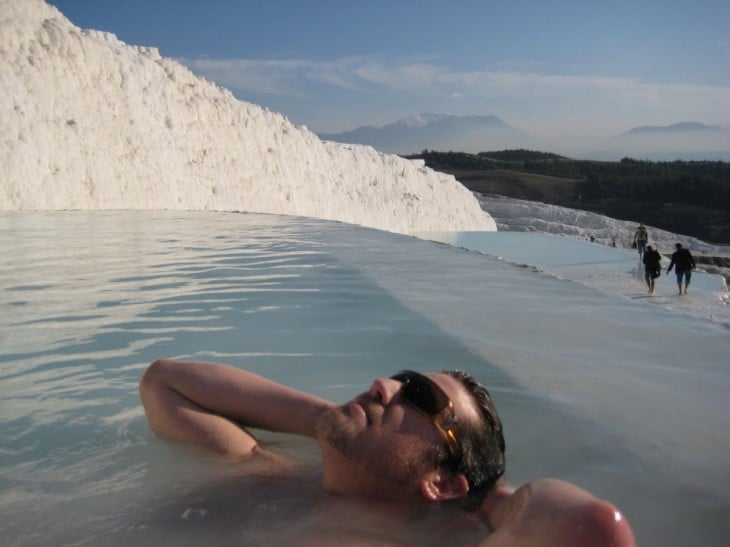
(703, 183)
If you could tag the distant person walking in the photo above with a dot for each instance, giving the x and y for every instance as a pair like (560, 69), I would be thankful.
(641, 238)
(652, 268)
(683, 263)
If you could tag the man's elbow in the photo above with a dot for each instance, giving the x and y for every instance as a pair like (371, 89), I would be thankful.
(153, 377)
(154, 391)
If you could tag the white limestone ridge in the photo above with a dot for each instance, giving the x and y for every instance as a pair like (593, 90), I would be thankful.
(88, 122)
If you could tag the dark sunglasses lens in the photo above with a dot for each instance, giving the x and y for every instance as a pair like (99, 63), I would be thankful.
(421, 392)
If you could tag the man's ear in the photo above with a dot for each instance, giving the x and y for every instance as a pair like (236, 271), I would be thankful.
(439, 485)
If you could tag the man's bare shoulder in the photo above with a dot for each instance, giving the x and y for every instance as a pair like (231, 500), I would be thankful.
(551, 512)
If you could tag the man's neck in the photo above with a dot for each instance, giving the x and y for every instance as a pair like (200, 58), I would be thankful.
(344, 477)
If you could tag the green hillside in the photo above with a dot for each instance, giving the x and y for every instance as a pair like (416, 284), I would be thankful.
(687, 197)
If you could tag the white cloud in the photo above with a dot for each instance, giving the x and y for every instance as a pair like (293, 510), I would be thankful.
(555, 103)
(270, 77)
(277, 77)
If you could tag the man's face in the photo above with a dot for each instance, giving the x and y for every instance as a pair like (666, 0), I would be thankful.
(382, 434)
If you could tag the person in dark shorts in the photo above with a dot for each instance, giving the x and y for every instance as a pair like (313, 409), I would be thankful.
(652, 267)
(683, 263)
(641, 238)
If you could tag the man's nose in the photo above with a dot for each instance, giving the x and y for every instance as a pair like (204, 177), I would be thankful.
(385, 390)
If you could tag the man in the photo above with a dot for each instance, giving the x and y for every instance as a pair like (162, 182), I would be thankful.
(684, 263)
(652, 267)
(411, 438)
(641, 237)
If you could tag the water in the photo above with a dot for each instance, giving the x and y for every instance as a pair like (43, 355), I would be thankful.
(627, 400)
(610, 269)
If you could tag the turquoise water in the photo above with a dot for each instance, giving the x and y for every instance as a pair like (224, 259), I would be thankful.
(627, 400)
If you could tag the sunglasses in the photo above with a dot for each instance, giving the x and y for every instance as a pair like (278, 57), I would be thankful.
(427, 397)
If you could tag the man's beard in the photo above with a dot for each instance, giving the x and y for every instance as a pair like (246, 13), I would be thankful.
(335, 428)
(379, 453)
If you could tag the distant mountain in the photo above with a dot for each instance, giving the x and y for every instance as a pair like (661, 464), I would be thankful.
(685, 140)
(442, 132)
(681, 127)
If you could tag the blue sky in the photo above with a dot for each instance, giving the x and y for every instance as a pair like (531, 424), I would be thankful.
(559, 70)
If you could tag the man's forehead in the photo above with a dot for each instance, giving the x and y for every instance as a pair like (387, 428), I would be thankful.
(459, 395)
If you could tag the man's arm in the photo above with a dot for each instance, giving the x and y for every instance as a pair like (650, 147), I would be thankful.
(552, 513)
(210, 405)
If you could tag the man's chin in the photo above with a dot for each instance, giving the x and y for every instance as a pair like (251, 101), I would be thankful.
(335, 427)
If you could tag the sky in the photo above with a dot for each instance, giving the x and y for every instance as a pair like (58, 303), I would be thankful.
(568, 70)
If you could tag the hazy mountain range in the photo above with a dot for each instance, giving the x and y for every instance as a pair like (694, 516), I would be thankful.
(442, 132)
(682, 127)
(685, 140)
(473, 134)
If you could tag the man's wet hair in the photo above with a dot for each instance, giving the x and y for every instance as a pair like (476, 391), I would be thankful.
(482, 444)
